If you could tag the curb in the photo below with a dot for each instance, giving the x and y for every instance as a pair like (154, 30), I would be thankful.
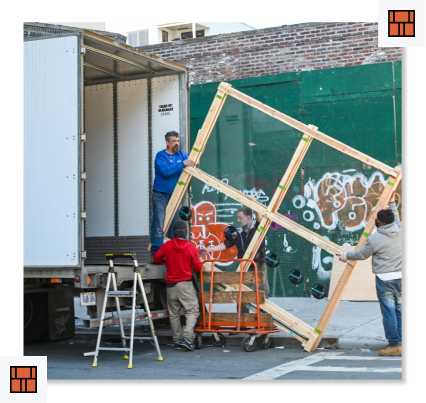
(361, 342)
(236, 340)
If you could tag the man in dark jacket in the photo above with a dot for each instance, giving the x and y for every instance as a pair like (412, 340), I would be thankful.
(385, 247)
(179, 255)
(245, 234)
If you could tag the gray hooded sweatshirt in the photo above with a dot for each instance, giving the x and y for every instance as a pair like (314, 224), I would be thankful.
(385, 245)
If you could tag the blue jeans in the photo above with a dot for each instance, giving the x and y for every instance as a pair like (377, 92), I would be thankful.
(159, 205)
(390, 298)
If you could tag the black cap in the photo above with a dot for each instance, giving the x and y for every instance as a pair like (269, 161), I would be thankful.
(386, 216)
(180, 225)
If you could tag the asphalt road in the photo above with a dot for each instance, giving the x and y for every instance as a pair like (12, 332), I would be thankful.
(66, 360)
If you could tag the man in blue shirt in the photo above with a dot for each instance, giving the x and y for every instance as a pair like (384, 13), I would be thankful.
(169, 164)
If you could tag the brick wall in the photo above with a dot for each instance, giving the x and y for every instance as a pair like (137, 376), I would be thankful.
(268, 51)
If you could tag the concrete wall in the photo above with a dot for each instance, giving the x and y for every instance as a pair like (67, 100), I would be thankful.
(300, 47)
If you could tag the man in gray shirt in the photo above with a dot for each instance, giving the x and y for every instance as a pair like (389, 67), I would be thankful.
(385, 247)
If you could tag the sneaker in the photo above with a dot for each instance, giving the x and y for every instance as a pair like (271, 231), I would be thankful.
(187, 344)
(177, 346)
(388, 351)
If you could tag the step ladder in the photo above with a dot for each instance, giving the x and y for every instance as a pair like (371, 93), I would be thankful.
(137, 279)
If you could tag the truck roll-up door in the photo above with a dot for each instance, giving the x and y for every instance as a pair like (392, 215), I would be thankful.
(51, 152)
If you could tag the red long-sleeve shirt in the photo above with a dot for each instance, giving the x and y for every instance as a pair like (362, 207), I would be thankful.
(179, 255)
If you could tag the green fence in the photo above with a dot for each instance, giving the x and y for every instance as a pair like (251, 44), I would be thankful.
(332, 193)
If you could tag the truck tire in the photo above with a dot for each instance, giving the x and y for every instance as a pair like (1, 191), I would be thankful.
(35, 316)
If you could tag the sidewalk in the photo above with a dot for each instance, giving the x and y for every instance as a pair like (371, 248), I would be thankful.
(354, 324)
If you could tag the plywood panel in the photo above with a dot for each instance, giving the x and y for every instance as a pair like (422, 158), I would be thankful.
(232, 297)
(231, 278)
(363, 284)
(248, 319)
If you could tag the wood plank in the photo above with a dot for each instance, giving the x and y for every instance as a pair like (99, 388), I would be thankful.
(232, 277)
(350, 270)
(229, 297)
(276, 217)
(363, 284)
(291, 171)
(248, 319)
(304, 128)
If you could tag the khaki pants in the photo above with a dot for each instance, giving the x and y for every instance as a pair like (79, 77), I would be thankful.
(183, 295)
(261, 268)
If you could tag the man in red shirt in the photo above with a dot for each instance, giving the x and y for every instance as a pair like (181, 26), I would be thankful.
(179, 255)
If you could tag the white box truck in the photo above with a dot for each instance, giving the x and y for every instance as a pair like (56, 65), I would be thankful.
(96, 112)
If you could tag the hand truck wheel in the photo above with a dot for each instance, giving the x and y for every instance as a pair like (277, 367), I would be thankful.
(246, 344)
(264, 341)
(198, 341)
(218, 343)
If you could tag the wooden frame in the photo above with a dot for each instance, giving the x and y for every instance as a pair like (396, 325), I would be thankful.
(309, 337)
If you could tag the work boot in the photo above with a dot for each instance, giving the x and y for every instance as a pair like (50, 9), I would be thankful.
(395, 350)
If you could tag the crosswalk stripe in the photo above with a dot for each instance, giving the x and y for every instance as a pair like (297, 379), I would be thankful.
(305, 364)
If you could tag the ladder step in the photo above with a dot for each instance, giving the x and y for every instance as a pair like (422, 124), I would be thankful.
(119, 293)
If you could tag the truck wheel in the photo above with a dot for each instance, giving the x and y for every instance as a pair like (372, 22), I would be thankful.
(35, 316)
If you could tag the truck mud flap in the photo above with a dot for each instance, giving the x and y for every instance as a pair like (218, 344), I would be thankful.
(35, 316)
(61, 314)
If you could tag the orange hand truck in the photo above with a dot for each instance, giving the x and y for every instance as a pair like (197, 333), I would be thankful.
(251, 324)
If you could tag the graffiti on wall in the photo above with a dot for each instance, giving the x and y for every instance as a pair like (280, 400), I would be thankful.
(341, 200)
(206, 231)
(338, 202)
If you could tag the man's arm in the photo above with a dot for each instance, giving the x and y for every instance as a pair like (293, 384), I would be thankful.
(159, 257)
(257, 214)
(195, 259)
(392, 207)
(166, 168)
(217, 248)
(364, 253)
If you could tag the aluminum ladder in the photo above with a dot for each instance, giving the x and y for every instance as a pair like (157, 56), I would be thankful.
(137, 279)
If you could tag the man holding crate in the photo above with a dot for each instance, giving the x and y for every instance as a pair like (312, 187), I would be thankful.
(385, 246)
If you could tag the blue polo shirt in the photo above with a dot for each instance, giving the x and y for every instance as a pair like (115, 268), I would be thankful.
(167, 170)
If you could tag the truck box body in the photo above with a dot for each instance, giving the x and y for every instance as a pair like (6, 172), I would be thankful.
(95, 115)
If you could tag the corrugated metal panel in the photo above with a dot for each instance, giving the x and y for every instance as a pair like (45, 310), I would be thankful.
(331, 193)
(97, 247)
